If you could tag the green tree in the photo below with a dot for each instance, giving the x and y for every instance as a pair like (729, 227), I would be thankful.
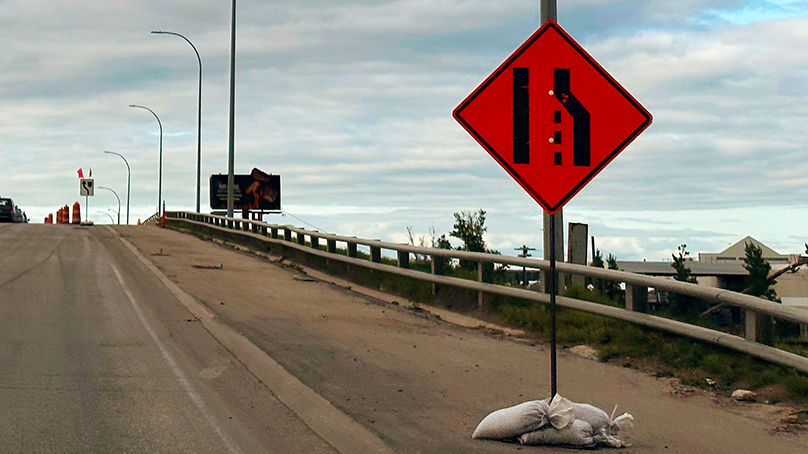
(683, 304)
(469, 228)
(442, 264)
(597, 260)
(758, 282)
(680, 265)
(607, 288)
(612, 288)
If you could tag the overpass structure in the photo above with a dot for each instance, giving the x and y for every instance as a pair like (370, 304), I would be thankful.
(141, 339)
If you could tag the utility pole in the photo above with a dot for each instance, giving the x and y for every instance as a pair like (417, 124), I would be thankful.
(524, 254)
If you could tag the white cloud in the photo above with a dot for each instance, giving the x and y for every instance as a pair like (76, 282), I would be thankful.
(351, 103)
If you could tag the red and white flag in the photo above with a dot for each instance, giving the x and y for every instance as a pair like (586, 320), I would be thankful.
(81, 174)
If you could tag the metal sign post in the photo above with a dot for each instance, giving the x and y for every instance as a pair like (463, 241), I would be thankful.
(553, 291)
(86, 188)
(549, 11)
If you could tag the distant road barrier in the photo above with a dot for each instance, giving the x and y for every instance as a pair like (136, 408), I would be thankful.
(756, 309)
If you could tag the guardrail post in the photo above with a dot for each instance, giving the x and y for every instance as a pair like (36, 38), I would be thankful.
(636, 298)
(314, 242)
(332, 246)
(403, 259)
(264, 230)
(246, 225)
(432, 270)
(480, 280)
(301, 238)
(759, 327)
(803, 331)
(274, 232)
(351, 249)
(287, 235)
(375, 254)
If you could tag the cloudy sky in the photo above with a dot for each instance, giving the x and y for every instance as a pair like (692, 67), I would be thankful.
(350, 101)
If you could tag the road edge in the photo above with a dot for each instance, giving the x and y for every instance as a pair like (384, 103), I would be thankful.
(335, 427)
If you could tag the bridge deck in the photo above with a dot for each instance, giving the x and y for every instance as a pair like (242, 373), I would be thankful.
(422, 384)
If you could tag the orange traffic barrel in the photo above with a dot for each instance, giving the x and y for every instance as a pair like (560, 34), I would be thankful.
(76, 213)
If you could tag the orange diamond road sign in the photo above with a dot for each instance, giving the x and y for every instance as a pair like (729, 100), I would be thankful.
(552, 117)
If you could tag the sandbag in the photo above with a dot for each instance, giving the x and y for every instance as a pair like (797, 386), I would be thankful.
(514, 421)
(597, 418)
(579, 434)
(555, 422)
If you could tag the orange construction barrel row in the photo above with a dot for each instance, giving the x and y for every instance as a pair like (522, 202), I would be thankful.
(63, 215)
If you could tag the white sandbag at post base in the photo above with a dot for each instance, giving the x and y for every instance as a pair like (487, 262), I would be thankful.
(554, 422)
(578, 434)
(596, 417)
(513, 421)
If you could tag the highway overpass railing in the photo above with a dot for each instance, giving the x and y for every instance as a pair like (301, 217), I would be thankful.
(757, 311)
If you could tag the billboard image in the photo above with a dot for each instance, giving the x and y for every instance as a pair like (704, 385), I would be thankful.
(257, 191)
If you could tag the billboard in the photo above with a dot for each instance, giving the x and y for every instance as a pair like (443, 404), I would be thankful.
(257, 191)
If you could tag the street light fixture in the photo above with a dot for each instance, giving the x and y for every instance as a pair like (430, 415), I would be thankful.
(199, 116)
(128, 180)
(160, 173)
(119, 202)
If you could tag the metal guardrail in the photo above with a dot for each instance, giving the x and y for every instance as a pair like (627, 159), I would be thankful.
(756, 308)
(152, 218)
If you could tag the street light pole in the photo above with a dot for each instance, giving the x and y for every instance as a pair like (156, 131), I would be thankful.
(110, 216)
(199, 116)
(128, 181)
(119, 202)
(231, 153)
(160, 173)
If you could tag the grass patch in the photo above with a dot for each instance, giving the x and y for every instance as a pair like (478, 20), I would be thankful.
(659, 352)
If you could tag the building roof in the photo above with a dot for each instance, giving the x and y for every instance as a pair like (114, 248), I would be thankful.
(739, 249)
(696, 268)
(737, 252)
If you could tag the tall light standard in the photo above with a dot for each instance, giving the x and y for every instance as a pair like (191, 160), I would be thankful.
(199, 116)
(128, 180)
(160, 173)
(231, 153)
(119, 202)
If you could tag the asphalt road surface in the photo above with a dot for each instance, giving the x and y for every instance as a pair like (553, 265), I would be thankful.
(97, 356)
(127, 340)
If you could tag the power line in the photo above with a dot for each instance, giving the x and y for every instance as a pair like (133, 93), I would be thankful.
(301, 220)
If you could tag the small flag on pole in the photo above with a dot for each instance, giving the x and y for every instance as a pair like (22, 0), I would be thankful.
(81, 174)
